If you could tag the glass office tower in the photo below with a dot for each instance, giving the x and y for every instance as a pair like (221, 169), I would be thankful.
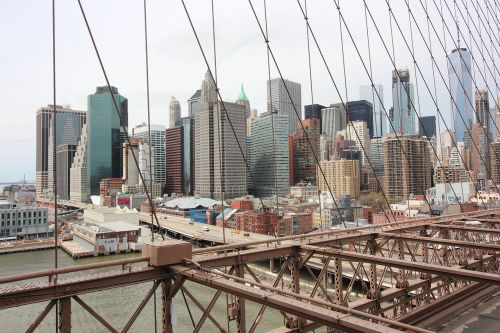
(105, 136)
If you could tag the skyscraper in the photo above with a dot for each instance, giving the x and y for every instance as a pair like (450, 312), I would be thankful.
(333, 120)
(459, 73)
(158, 147)
(314, 111)
(497, 119)
(243, 100)
(262, 159)
(427, 126)
(303, 145)
(483, 110)
(406, 166)
(64, 159)
(343, 177)
(78, 190)
(105, 136)
(174, 112)
(368, 93)
(69, 124)
(208, 153)
(357, 131)
(188, 149)
(174, 163)
(359, 111)
(403, 101)
(193, 103)
(278, 100)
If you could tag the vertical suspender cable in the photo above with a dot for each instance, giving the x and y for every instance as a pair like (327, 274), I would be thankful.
(54, 147)
(150, 143)
(312, 106)
(219, 143)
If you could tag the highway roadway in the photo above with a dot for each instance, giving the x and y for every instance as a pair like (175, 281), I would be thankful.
(198, 231)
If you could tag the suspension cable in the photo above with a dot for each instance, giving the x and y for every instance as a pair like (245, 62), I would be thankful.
(150, 143)
(425, 82)
(117, 109)
(54, 149)
(448, 88)
(369, 76)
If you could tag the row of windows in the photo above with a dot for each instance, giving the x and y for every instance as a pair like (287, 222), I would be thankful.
(24, 222)
(24, 214)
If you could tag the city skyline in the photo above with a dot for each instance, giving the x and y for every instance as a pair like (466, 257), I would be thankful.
(121, 50)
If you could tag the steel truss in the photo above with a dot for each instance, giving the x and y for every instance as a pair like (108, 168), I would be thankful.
(376, 279)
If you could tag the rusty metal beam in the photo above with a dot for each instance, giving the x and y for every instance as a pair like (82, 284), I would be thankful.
(41, 317)
(297, 304)
(69, 269)
(64, 315)
(141, 306)
(488, 278)
(166, 317)
(12, 296)
(315, 313)
(459, 243)
(94, 314)
(198, 304)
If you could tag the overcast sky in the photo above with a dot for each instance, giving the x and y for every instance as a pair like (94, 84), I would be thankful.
(176, 65)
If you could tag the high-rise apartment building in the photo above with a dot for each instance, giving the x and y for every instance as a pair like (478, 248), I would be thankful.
(210, 121)
(406, 170)
(497, 119)
(342, 176)
(334, 119)
(459, 74)
(358, 132)
(303, 145)
(263, 157)
(174, 112)
(105, 136)
(495, 162)
(279, 101)
(377, 156)
(157, 145)
(69, 125)
(369, 93)
(403, 101)
(480, 151)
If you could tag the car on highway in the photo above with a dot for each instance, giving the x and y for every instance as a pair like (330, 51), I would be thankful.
(206, 229)
(246, 234)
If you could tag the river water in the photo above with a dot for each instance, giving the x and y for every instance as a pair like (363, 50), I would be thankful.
(117, 305)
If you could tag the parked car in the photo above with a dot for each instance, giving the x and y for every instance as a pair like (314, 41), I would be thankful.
(246, 234)
(206, 229)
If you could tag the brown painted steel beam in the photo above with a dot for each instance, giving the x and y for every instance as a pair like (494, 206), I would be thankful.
(481, 246)
(41, 317)
(213, 278)
(94, 314)
(203, 310)
(488, 278)
(326, 317)
(141, 306)
(12, 296)
(64, 315)
(69, 269)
